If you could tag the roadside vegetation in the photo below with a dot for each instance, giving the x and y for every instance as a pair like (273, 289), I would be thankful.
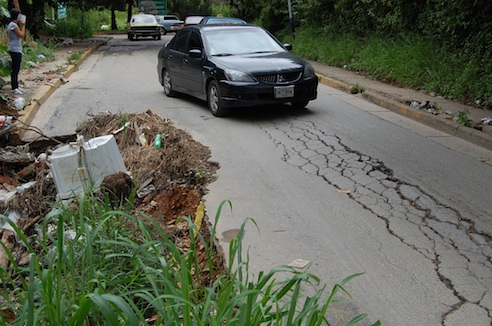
(411, 61)
(92, 265)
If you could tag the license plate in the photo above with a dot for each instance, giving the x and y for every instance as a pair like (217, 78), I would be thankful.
(284, 91)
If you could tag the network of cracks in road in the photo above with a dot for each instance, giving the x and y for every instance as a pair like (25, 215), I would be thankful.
(169, 181)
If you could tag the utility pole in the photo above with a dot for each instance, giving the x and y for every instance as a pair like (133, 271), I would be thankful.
(291, 19)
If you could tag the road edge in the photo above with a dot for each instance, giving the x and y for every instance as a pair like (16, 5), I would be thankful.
(469, 134)
(45, 91)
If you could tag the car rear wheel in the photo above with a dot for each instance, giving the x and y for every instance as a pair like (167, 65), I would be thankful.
(213, 100)
(298, 105)
(167, 84)
(130, 36)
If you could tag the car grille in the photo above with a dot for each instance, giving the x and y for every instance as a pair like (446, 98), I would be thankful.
(282, 78)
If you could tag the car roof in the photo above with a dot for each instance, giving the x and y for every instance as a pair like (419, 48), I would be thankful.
(223, 19)
(206, 27)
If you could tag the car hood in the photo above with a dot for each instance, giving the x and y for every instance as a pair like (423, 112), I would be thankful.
(260, 63)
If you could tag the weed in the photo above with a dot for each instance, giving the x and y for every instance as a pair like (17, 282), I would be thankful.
(463, 119)
(356, 89)
(93, 265)
(74, 57)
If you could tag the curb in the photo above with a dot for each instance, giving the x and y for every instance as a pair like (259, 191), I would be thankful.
(470, 134)
(45, 91)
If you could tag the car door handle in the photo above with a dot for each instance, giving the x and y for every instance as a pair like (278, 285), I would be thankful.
(185, 60)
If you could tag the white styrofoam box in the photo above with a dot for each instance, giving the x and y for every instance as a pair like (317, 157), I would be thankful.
(76, 169)
(102, 158)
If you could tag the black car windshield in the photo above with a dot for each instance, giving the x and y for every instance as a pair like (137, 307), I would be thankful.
(240, 41)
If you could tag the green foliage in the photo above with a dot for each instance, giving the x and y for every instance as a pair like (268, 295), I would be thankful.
(185, 8)
(93, 265)
(407, 60)
(5, 61)
(37, 53)
(463, 119)
(78, 24)
(221, 9)
(356, 89)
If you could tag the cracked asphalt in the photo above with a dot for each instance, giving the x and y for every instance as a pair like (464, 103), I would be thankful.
(460, 254)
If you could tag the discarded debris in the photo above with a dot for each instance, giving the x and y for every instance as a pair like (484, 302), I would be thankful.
(299, 263)
(170, 181)
(486, 121)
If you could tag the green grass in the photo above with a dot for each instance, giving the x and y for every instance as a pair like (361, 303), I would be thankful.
(96, 266)
(406, 60)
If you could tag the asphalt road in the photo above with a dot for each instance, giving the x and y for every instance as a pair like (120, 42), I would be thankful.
(346, 185)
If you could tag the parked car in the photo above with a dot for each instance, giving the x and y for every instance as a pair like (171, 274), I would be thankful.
(221, 20)
(169, 23)
(143, 25)
(192, 20)
(232, 66)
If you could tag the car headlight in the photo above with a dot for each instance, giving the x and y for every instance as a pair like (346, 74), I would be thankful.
(309, 71)
(238, 76)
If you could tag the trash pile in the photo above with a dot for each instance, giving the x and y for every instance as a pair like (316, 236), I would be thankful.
(169, 170)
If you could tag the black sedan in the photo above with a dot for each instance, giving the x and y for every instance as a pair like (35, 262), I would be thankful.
(234, 66)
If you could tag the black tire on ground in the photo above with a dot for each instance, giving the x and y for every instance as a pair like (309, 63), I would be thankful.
(213, 100)
(167, 84)
(299, 104)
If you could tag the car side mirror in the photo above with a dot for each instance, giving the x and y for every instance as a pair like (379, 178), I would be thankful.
(195, 53)
(288, 47)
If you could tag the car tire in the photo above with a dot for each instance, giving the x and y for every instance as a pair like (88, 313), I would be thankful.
(213, 100)
(299, 105)
(159, 37)
(167, 84)
(163, 31)
(130, 36)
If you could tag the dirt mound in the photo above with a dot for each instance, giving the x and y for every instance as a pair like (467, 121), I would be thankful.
(170, 179)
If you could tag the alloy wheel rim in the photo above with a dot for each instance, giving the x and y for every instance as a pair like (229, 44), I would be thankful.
(214, 99)
(167, 83)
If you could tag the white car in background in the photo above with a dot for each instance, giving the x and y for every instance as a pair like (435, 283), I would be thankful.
(169, 23)
(143, 25)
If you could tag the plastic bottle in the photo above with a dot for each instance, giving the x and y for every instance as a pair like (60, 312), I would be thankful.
(158, 141)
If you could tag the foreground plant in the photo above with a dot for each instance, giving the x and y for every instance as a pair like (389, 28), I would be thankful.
(96, 266)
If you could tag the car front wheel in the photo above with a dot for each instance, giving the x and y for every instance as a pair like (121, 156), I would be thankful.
(298, 105)
(167, 84)
(213, 99)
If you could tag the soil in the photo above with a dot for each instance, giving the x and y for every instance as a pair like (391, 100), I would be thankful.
(170, 180)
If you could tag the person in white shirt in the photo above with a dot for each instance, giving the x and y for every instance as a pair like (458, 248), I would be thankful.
(17, 33)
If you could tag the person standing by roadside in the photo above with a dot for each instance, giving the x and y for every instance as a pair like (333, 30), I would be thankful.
(17, 32)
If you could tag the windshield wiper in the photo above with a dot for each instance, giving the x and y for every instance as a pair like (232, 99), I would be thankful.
(222, 54)
(262, 52)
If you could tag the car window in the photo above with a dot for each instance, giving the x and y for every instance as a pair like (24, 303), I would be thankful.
(179, 42)
(171, 18)
(224, 21)
(143, 19)
(195, 41)
(240, 41)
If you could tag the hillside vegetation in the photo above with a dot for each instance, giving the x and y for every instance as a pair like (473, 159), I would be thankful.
(438, 46)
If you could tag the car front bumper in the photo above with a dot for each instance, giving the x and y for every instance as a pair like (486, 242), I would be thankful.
(235, 95)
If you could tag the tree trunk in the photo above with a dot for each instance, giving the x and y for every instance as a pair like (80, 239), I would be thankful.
(114, 27)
